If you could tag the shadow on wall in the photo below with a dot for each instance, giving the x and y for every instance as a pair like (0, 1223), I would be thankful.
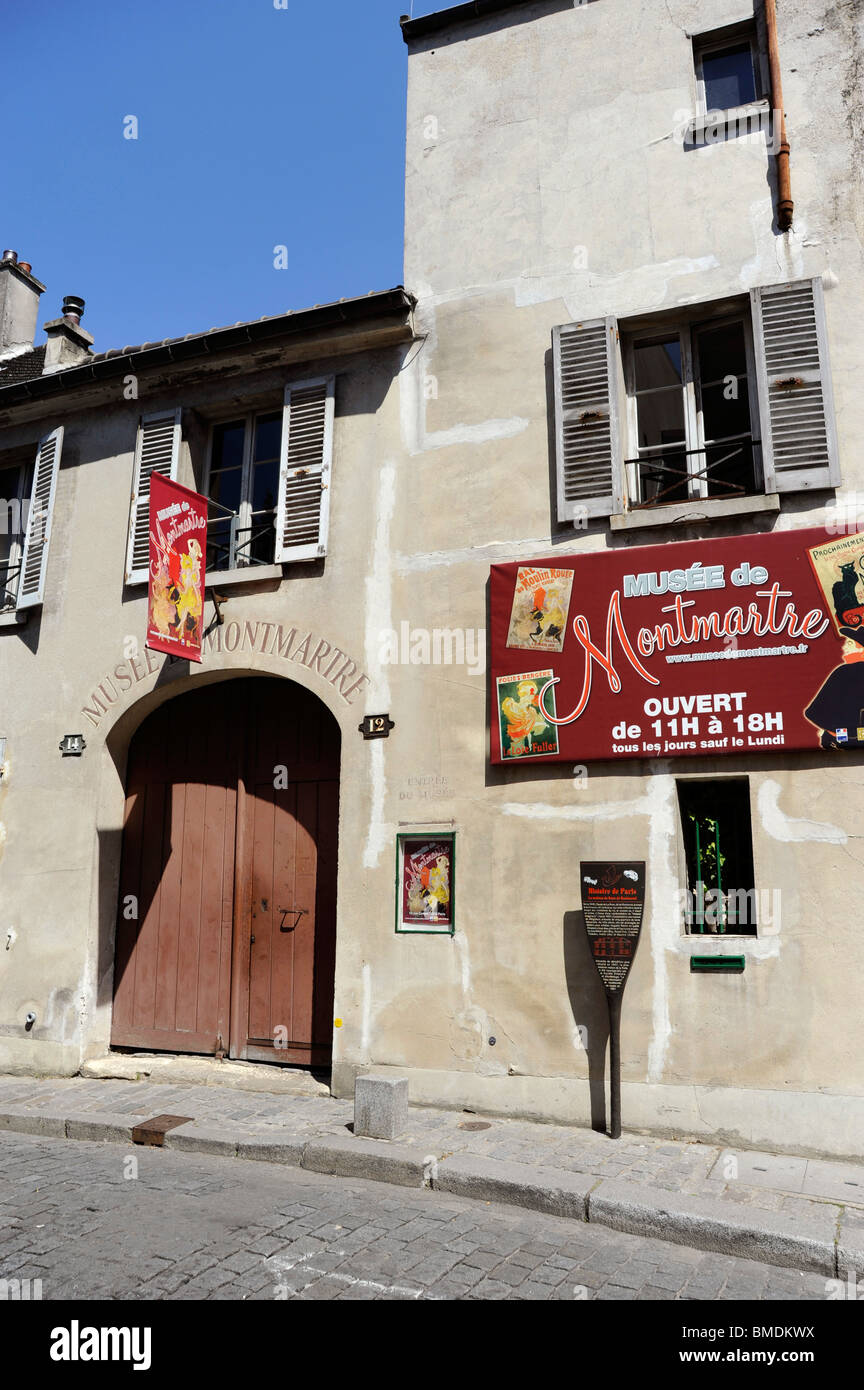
(590, 1012)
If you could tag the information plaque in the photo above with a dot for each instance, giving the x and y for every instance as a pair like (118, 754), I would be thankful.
(613, 899)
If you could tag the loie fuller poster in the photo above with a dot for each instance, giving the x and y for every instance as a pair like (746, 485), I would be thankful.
(178, 547)
(523, 730)
(541, 602)
(697, 648)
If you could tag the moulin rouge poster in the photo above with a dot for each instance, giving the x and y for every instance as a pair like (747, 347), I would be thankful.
(178, 547)
(700, 648)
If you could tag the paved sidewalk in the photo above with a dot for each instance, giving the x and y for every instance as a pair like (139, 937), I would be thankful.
(802, 1214)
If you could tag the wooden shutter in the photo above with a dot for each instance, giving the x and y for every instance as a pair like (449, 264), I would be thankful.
(34, 561)
(796, 405)
(303, 514)
(587, 431)
(157, 450)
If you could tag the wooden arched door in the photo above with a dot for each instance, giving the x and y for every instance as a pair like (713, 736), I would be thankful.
(226, 931)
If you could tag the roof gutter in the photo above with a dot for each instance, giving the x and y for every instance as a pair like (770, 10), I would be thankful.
(386, 304)
(462, 14)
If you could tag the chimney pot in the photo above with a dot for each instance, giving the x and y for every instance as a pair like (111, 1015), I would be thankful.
(11, 256)
(73, 307)
(25, 266)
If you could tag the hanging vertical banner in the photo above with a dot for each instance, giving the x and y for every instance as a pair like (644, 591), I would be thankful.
(178, 545)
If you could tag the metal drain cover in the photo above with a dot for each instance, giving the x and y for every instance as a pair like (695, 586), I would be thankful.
(152, 1132)
(475, 1124)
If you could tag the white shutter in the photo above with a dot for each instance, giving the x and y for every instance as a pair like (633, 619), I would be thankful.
(157, 450)
(796, 404)
(303, 514)
(589, 465)
(34, 561)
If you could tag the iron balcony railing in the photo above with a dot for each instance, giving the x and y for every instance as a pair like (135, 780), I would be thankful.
(234, 553)
(657, 468)
(9, 580)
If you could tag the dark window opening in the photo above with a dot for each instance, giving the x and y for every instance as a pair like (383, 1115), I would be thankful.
(729, 76)
(718, 843)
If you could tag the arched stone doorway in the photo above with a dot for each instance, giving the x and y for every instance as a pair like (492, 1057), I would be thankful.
(226, 919)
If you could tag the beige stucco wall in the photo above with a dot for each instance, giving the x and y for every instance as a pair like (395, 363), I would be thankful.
(545, 185)
(550, 136)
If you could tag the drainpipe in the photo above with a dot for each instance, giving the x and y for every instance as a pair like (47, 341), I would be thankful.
(785, 205)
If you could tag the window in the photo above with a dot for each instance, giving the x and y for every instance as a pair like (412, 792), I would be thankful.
(267, 480)
(242, 486)
(13, 520)
(718, 847)
(728, 68)
(728, 77)
(692, 386)
(27, 492)
(703, 407)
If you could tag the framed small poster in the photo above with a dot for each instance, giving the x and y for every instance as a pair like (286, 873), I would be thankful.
(424, 883)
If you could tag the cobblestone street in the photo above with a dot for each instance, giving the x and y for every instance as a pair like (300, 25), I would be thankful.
(106, 1221)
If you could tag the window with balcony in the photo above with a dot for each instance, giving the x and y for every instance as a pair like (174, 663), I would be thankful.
(703, 410)
(267, 481)
(242, 487)
(13, 521)
(693, 413)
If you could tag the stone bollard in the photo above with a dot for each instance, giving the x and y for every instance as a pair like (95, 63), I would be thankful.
(380, 1107)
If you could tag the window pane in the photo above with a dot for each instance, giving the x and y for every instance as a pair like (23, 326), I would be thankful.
(261, 548)
(218, 545)
(728, 77)
(11, 518)
(658, 364)
(225, 489)
(268, 436)
(726, 409)
(724, 397)
(661, 418)
(228, 445)
(721, 351)
(265, 482)
(715, 819)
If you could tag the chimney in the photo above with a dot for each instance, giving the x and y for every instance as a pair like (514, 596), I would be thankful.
(68, 344)
(19, 305)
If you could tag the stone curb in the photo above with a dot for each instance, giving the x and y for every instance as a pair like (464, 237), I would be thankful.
(549, 1190)
(817, 1242)
(268, 1149)
(790, 1239)
(104, 1128)
(50, 1120)
(378, 1159)
(204, 1139)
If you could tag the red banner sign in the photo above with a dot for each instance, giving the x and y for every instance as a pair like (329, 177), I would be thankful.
(178, 548)
(694, 649)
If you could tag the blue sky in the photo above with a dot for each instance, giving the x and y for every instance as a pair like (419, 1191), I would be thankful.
(257, 128)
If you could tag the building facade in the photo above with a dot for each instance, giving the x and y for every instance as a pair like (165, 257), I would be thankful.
(631, 320)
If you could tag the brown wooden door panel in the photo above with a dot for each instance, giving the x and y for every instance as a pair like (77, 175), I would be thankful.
(172, 968)
(211, 847)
